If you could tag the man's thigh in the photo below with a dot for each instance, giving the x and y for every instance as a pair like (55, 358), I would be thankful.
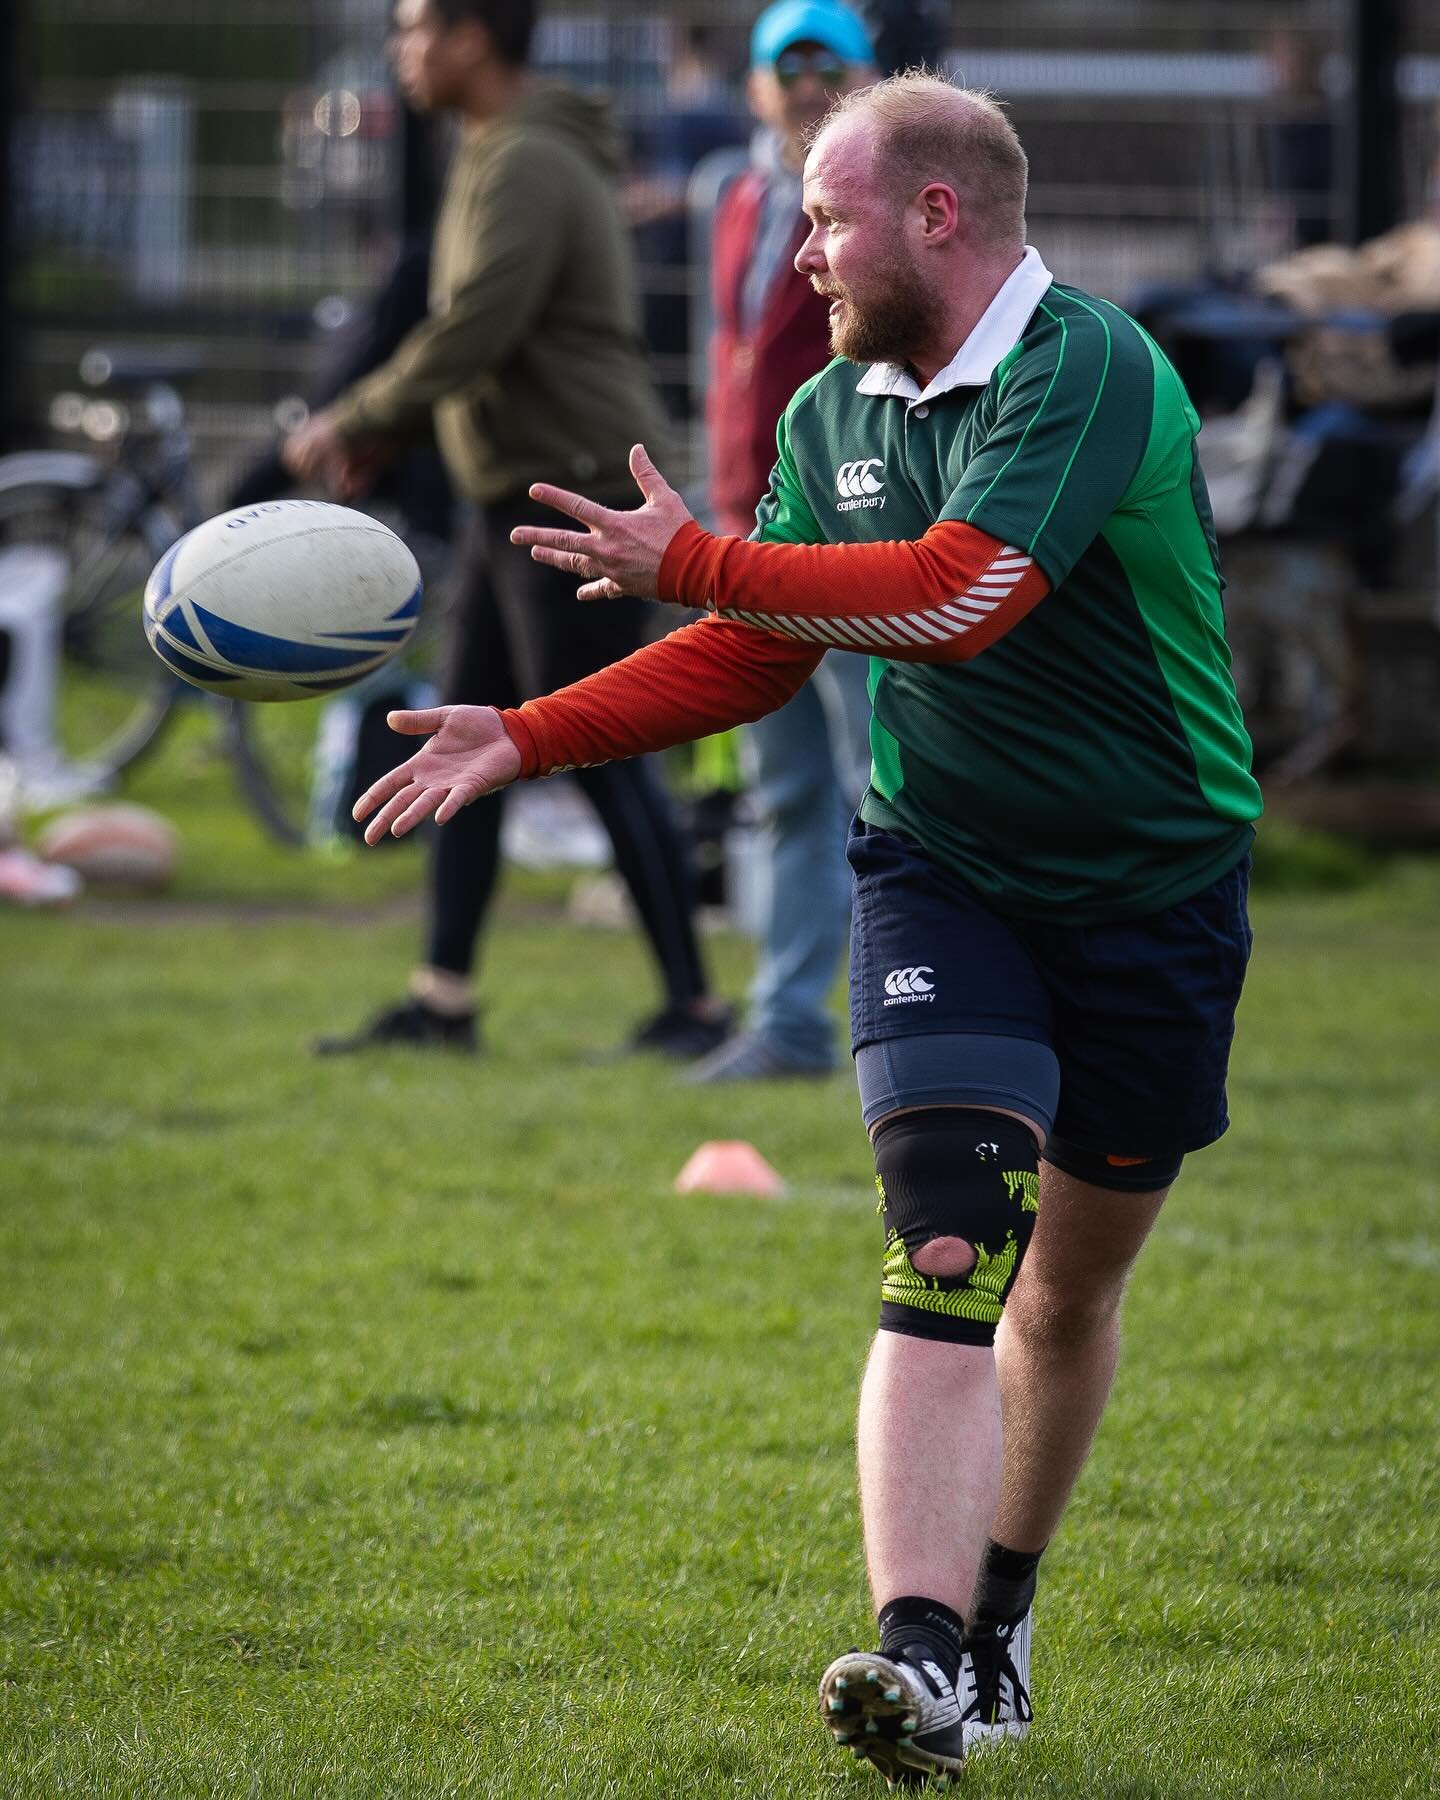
(1144, 1013)
(947, 1007)
(927, 957)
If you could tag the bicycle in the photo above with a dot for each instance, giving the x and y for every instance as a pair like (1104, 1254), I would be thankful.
(104, 519)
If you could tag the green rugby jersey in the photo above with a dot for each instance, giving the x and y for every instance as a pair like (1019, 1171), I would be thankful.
(1092, 764)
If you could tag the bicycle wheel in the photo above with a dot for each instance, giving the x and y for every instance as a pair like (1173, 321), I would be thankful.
(71, 555)
(271, 749)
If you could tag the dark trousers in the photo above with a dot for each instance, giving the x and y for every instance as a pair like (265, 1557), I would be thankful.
(518, 632)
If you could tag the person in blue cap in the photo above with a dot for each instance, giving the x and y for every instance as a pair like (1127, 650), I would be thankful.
(808, 764)
(815, 24)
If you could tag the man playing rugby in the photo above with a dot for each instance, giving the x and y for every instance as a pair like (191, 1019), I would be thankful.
(1004, 511)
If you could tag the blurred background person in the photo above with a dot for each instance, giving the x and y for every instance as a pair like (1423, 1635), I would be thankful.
(907, 34)
(532, 370)
(699, 115)
(809, 762)
(1300, 140)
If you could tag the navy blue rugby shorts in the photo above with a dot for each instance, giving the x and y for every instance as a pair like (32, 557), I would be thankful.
(1140, 1014)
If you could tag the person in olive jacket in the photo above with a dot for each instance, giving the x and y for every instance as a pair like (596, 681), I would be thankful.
(531, 368)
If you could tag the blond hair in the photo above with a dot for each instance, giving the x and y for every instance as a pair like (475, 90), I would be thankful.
(927, 129)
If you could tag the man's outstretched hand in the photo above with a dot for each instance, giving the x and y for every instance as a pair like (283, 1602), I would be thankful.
(470, 754)
(618, 552)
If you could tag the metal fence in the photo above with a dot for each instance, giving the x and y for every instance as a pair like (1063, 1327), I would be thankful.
(212, 173)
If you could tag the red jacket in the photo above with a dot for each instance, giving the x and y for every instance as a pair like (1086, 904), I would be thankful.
(753, 376)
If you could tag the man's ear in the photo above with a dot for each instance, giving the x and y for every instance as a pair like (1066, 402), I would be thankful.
(939, 213)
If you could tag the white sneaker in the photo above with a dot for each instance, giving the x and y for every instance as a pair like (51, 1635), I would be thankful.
(49, 781)
(900, 1716)
(995, 1684)
(27, 881)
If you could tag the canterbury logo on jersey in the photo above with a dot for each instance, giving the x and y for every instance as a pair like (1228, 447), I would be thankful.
(857, 486)
(906, 987)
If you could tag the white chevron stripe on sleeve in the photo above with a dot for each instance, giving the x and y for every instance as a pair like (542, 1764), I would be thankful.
(935, 627)
(885, 628)
(851, 629)
(882, 632)
(905, 624)
(809, 629)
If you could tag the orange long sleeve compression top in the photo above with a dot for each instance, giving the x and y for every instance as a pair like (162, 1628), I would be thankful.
(776, 609)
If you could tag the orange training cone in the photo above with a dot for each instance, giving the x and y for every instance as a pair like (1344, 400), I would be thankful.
(732, 1167)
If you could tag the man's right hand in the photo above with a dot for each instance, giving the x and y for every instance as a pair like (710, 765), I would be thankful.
(317, 452)
(470, 754)
(313, 447)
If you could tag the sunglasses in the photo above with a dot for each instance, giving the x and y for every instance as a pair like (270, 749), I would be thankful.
(828, 69)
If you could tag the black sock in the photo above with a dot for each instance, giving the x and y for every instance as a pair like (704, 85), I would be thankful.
(914, 1623)
(1005, 1585)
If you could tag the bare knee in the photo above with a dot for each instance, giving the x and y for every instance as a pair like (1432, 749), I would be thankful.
(1057, 1316)
(949, 1256)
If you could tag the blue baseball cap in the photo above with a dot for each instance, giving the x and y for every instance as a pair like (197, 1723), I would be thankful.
(809, 22)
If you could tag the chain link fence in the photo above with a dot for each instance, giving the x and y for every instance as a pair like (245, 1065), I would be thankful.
(228, 175)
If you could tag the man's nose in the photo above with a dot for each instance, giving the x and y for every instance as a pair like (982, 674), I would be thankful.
(808, 258)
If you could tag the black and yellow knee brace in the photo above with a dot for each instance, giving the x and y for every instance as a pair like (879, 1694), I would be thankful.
(954, 1172)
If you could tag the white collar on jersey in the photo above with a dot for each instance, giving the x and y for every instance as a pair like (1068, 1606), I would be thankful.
(999, 330)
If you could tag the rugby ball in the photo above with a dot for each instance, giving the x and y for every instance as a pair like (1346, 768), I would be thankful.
(282, 601)
(113, 846)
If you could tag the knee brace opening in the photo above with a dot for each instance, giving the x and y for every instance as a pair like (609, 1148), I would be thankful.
(959, 1190)
(951, 1256)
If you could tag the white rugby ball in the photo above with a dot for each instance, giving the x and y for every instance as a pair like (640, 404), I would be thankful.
(282, 601)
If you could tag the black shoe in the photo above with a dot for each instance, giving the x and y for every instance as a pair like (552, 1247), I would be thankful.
(411, 1024)
(682, 1034)
(898, 1713)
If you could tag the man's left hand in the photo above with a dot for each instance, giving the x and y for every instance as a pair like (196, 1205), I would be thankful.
(618, 552)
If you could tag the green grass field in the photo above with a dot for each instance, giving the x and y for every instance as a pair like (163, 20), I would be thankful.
(389, 1427)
